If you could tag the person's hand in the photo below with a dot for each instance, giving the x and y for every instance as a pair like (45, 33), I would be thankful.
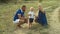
(21, 20)
(29, 14)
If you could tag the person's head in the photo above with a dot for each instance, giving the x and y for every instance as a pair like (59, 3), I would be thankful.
(31, 8)
(23, 8)
(40, 7)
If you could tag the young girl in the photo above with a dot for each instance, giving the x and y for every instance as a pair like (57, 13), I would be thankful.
(31, 16)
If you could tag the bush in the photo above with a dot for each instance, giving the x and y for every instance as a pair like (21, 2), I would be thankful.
(4, 1)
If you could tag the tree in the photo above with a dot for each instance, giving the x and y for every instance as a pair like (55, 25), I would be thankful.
(4, 1)
(40, 0)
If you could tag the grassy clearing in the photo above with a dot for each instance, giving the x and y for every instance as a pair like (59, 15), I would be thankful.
(7, 12)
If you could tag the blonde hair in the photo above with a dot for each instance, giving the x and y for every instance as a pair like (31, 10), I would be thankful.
(41, 8)
(31, 8)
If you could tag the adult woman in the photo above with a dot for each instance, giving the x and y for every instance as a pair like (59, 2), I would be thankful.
(41, 19)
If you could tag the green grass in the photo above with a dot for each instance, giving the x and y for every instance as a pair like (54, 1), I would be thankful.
(7, 12)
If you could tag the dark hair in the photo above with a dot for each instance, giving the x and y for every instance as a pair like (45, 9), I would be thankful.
(23, 6)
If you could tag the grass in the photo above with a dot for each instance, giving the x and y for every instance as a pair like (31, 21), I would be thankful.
(7, 12)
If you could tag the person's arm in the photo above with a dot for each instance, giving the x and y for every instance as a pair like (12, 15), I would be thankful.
(43, 11)
(29, 14)
(19, 16)
(34, 15)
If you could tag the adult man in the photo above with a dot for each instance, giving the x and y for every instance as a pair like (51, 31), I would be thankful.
(19, 17)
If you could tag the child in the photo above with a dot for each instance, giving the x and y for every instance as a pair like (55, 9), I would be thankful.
(31, 16)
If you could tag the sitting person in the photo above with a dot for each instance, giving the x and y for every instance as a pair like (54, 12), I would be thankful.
(31, 16)
(19, 17)
(41, 18)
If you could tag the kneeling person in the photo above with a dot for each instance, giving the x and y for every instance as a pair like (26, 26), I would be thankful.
(19, 16)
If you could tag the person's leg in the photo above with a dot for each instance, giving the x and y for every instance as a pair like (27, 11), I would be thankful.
(16, 22)
(30, 22)
(29, 25)
(19, 23)
(22, 21)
